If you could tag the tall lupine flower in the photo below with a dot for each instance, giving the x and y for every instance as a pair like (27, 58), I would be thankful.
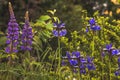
(27, 35)
(12, 33)
(59, 29)
(93, 25)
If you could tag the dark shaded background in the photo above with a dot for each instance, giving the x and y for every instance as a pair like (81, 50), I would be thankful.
(69, 11)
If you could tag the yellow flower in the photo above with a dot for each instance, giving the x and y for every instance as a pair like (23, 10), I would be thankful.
(106, 12)
(110, 13)
(118, 10)
(115, 1)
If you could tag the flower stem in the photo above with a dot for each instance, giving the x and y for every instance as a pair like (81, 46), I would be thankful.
(89, 75)
(79, 74)
(11, 52)
(92, 45)
(59, 59)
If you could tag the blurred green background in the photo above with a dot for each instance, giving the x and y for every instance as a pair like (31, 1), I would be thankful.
(69, 11)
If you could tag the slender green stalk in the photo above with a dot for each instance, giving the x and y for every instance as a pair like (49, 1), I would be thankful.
(89, 75)
(79, 74)
(11, 52)
(27, 54)
(59, 59)
(104, 39)
(93, 44)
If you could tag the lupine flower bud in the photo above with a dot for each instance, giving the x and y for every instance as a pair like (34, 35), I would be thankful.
(12, 33)
(27, 35)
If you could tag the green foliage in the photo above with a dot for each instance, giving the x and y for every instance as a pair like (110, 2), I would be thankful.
(2, 39)
(74, 43)
(42, 29)
(91, 43)
(43, 61)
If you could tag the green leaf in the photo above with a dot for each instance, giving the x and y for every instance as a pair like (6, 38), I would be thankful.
(2, 40)
(92, 47)
(1, 33)
(52, 12)
(56, 19)
(45, 17)
(49, 26)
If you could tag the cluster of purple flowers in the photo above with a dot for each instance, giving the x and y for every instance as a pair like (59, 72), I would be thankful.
(59, 29)
(111, 51)
(13, 34)
(93, 25)
(77, 61)
(26, 34)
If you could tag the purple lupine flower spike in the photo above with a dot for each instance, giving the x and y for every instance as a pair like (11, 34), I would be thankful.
(27, 35)
(12, 33)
